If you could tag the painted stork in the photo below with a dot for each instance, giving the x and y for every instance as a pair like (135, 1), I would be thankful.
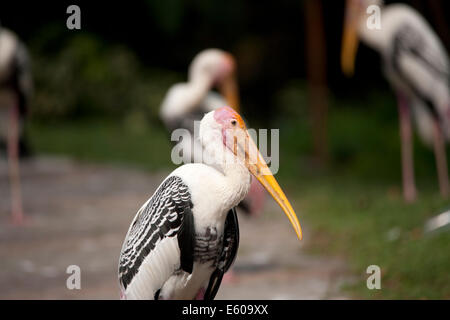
(186, 103)
(416, 65)
(15, 90)
(185, 237)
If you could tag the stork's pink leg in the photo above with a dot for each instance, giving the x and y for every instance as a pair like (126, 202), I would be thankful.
(257, 195)
(229, 277)
(441, 159)
(200, 294)
(409, 186)
(13, 165)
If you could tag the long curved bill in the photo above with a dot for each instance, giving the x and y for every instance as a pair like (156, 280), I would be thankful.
(258, 167)
(349, 38)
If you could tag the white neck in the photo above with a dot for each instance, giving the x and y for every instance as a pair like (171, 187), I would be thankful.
(236, 182)
(197, 89)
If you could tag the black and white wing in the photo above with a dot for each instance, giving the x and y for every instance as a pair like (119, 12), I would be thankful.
(420, 60)
(228, 255)
(160, 241)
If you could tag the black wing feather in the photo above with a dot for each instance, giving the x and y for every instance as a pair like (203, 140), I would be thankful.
(186, 241)
(167, 214)
(408, 41)
(229, 252)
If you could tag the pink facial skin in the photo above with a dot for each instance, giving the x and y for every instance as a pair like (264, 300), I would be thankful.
(225, 114)
(229, 119)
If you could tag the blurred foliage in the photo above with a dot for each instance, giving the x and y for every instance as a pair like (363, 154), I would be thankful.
(363, 137)
(167, 14)
(88, 78)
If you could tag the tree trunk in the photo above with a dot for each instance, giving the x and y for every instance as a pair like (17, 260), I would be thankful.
(317, 78)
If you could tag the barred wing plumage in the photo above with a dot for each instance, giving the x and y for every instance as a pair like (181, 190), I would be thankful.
(420, 63)
(160, 240)
(228, 254)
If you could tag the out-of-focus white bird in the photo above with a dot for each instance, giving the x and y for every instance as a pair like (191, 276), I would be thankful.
(416, 65)
(186, 103)
(15, 89)
(185, 237)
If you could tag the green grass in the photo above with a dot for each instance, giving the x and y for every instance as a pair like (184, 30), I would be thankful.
(371, 225)
(103, 141)
(350, 206)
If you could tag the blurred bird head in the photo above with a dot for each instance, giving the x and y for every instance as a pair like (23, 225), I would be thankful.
(355, 10)
(219, 69)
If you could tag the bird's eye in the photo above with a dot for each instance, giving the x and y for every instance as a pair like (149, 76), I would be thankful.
(233, 122)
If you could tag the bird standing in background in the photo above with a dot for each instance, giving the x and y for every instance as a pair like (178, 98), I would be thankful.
(416, 65)
(15, 90)
(185, 237)
(186, 103)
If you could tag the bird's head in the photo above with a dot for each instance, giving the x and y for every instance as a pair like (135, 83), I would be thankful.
(355, 10)
(219, 69)
(225, 126)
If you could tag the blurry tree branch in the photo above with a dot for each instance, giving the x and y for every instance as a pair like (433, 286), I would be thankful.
(316, 74)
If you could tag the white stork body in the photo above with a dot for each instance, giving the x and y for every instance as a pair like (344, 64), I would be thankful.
(185, 237)
(209, 213)
(15, 88)
(213, 193)
(416, 65)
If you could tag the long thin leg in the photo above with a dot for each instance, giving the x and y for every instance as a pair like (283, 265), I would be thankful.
(441, 159)
(200, 295)
(13, 164)
(409, 186)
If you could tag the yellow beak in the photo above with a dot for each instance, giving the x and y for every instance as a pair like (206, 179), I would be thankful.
(350, 38)
(257, 166)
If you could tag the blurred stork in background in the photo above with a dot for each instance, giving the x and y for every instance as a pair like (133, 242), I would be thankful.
(186, 103)
(416, 65)
(15, 90)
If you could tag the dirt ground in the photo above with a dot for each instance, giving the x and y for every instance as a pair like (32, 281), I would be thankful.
(78, 214)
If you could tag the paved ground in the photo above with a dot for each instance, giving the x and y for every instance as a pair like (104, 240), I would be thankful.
(78, 214)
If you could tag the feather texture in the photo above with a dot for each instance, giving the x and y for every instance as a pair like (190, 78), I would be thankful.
(151, 246)
(227, 256)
